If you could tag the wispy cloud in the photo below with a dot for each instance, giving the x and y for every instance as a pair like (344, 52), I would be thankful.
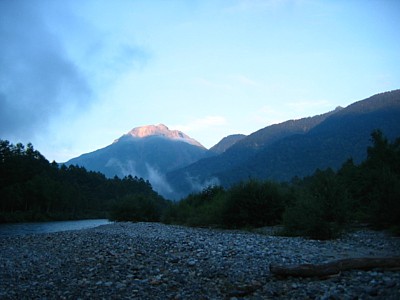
(199, 124)
(197, 185)
(244, 80)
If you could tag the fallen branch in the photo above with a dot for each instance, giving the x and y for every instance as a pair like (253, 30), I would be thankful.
(335, 267)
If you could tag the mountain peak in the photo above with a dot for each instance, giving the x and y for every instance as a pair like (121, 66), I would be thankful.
(149, 130)
(162, 131)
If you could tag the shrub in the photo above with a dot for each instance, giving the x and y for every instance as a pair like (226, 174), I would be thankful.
(137, 208)
(210, 213)
(253, 204)
(321, 208)
(202, 209)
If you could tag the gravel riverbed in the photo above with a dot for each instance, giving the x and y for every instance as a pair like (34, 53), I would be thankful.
(156, 261)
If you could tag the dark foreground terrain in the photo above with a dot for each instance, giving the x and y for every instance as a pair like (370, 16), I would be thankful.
(155, 261)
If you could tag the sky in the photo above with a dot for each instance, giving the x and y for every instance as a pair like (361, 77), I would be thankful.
(76, 75)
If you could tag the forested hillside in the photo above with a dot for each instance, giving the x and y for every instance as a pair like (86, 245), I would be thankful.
(33, 189)
(297, 147)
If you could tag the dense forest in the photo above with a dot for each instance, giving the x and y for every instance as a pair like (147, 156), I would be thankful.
(321, 206)
(32, 189)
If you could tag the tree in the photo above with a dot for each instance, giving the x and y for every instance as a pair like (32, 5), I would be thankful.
(321, 209)
(32, 189)
(137, 208)
(254, 204)
(381, 182)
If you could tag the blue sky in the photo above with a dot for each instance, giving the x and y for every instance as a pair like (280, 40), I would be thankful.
(75, 75)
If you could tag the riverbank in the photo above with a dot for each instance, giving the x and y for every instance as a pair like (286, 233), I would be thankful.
(13, 229)
(156, 261)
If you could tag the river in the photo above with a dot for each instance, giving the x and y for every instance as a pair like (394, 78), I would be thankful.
(46, 227)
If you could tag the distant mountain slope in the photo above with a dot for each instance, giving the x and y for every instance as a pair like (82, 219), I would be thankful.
(282, 151)
(343, 135)
(148, 152)
(226, 143)
(207, 171)
(269, 135)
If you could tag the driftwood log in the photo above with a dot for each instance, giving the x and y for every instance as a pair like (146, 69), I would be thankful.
(335, 267)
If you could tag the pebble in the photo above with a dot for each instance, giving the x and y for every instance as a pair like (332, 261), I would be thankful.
(157, 261)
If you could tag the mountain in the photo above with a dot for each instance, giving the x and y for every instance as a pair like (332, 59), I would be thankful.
(208, 171)
(226, 143)
(148, 152)
(160, 130)
(297, 147)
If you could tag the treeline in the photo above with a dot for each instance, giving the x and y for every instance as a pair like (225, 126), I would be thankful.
(32, 189)
(320, 206)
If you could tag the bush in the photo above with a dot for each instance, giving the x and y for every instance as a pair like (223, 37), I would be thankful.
(210, 213)
(202, 209)
(137, 208)
(253, 204)
(249, 204)
(321, 209)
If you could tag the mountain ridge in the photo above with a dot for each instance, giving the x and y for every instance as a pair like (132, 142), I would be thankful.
(283, 151)
(177, 165)
(208, 169)
(226, 143)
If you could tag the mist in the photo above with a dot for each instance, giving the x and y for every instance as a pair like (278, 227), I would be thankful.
(159, 182)
(198, 185)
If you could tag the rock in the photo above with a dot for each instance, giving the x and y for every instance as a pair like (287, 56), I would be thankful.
(156, 261)
(191, 262)
(372, 291)
(174, 260)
